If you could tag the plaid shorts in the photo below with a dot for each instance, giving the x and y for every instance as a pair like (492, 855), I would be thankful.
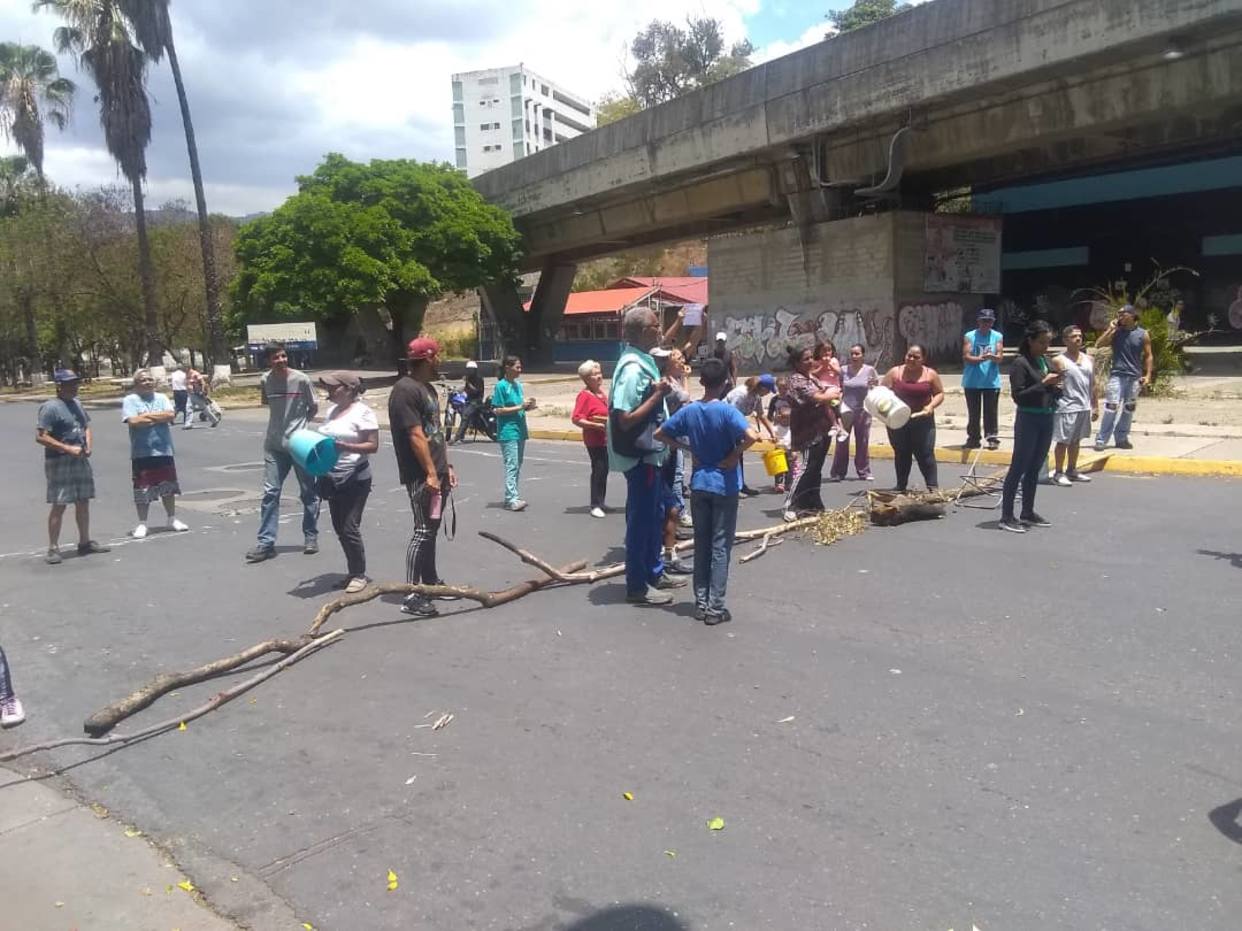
(155, 477)
(69, 479)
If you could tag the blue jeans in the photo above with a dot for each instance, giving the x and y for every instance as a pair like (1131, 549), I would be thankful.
(1032, 435)
(1121, 394)
(715, 521)
(512, 452)
(644, 528)
(276, 468)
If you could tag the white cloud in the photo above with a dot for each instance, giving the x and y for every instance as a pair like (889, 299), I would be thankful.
(812, 35)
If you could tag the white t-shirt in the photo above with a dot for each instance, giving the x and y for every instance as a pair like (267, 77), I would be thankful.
(349, 427)
(176, 380)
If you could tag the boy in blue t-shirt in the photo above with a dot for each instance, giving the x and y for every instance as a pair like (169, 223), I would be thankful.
(717, 434)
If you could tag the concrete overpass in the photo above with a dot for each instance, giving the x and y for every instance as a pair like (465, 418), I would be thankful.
(948, 94)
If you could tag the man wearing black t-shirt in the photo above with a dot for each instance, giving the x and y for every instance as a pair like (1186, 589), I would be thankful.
(725, 355)
(422, 461)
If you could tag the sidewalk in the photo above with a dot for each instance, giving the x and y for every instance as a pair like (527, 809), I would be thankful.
(70, 866)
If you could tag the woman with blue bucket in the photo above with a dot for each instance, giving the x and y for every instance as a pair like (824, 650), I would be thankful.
(354, 433)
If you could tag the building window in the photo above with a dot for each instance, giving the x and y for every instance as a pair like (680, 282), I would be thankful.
(458, 96)
(459, 113)
(518, 150)
(461, 158)
(485, 127)
(517, 106)
(459, 133)
(569, 331)
(543, 89)
(515, 84)
(491, 80)
(612, 331)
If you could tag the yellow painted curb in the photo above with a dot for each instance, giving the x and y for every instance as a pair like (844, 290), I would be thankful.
(1104, 462)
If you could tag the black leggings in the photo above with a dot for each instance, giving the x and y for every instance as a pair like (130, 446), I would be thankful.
(805, 495)
(6, 683)
(346, 509)
(915, 441)
(981, 401)
(1032, 435)
(599, 474)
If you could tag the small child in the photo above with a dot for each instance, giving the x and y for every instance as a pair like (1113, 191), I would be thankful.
(828, 370)
(782, 437)
(11, 711)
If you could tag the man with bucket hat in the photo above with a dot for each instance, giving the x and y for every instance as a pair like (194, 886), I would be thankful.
(290, 399)
(64, 432)
(982, 351)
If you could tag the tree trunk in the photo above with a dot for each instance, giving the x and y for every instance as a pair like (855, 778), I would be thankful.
(150, 319)
(216, 349)
(32, 332)
(407, 312)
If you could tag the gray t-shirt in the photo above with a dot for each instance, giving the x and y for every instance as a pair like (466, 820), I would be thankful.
(1128, 352)
(291, 403)
(1076, 383)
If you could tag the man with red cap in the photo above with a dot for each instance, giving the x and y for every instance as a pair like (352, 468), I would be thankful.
(422, 461)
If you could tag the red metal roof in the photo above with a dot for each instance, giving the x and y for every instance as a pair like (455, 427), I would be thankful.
(688, 289)
(611, 301)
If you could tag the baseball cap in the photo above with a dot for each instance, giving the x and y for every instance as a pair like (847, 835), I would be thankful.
(472, 364)
(345, 379)
(767, 381)
(61, 376)
(1128, 309)
(722, 335)
(661, 353)
(422, 347)
(986, 313)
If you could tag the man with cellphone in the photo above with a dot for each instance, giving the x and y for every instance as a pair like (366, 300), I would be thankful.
(1130, 373)
(422, 461)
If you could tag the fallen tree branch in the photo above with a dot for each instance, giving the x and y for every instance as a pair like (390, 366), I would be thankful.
(761, 549)
(311, 646)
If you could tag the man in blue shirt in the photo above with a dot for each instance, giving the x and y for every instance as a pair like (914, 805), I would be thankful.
(149, 416)
(635, 409)
(717, 434)
(982, 350)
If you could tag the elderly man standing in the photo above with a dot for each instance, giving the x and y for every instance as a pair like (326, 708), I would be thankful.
(1130, 373)
(635, 411)
(148, 414)
(290, 398)
(64, 432)
(982, 351)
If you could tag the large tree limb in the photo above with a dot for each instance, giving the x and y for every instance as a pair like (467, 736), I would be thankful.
(311, 645)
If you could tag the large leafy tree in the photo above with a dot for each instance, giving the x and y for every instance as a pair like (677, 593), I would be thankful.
(32, 93)
(670, 60)
(864, 13)
(382, 238)
(152, 26)
(99, 35)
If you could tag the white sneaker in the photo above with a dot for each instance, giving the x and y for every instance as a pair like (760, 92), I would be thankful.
(11, 712)
(518, 505)
(356, 584)
(139, 532)
(789, 516)
(598, 512)
(176, 525)
(1078, 477)
(1060, 478)
(686, 520)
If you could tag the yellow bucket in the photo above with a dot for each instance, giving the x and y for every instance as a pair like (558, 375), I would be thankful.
(774, 462)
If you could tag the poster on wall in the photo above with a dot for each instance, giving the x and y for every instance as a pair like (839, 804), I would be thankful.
(962, 254)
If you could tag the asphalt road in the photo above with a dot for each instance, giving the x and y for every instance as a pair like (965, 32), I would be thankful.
(1020, 732)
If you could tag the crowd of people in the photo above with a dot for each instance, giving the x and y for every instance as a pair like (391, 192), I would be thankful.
(647, 426)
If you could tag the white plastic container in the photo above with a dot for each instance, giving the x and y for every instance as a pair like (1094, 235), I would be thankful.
(890, 410)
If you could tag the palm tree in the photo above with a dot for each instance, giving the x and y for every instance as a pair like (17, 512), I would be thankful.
(31, 92)
(153, 30)
(98, 34)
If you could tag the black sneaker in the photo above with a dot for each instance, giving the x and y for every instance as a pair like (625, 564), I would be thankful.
(722, 618)
(993, 443)
(1124, 444)
(676, 567)
(90, 546)
(311, 547)
(1034, 520)
(700, 613)
(971, 444)
(445, 597)
(418, 605)
(665, 582)
(748, 492)
(260, 553)
(1013, 526)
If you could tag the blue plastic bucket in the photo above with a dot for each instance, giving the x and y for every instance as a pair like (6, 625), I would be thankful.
(314, 452)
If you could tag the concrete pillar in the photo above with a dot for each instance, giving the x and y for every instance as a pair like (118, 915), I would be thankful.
(547, 307)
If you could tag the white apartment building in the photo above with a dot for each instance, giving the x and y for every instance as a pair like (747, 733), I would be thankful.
(502, 114)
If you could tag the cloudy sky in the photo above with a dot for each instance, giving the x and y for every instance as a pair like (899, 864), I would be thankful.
(274, 84)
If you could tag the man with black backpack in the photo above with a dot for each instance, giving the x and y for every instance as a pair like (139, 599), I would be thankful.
(635, 411)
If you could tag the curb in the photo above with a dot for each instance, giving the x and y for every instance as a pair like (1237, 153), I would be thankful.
(1103, 462)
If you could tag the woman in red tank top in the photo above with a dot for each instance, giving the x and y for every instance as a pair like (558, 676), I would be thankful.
(919, 386)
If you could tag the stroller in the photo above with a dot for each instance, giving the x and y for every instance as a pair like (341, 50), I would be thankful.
(198, 407)
(480, 418)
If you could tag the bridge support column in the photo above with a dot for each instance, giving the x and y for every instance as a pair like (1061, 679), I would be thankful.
(532, 333)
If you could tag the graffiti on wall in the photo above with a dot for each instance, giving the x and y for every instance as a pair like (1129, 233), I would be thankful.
(762, 339)
(936, 327)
